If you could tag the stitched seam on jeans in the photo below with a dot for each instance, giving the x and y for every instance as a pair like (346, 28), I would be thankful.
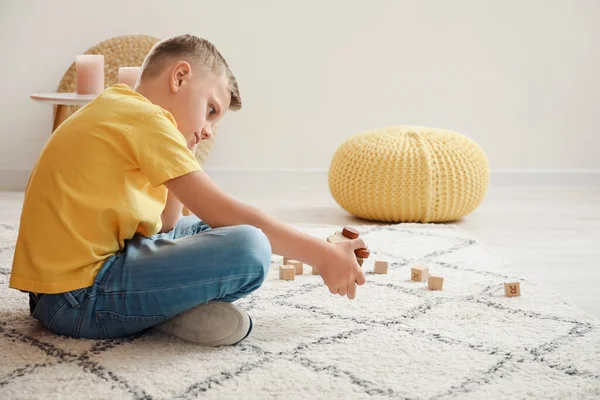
(80, 317)
(102, 283)
(56, 313)
(115, 316)
(125, 292)
(100, 326)
(105, 316)
(37, 304)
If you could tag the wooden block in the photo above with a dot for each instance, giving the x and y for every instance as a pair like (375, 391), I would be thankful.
(315, 271)
(381, 267)
(419, 273)
(287, 272)
(512, 289)
(299, 267)
(435, 283)
(286, 260)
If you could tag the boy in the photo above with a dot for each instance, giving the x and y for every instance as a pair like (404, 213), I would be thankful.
(103, 250)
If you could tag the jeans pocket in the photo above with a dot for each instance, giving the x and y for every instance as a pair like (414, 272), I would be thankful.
(113, 325)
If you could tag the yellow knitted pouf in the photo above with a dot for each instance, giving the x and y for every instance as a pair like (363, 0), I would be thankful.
(409, 174)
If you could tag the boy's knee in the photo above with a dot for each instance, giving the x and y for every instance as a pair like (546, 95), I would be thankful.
(255, 247)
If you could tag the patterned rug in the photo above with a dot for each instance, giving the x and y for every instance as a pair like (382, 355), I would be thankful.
(396, 340)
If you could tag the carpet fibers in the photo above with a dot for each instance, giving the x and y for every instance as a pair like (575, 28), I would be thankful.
(396, 340)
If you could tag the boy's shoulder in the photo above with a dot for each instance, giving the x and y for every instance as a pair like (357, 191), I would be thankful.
(123, 98)
(122, 105)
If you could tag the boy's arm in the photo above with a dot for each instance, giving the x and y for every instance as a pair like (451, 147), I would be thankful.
(171, 213)
(173, 209)
(336, 263)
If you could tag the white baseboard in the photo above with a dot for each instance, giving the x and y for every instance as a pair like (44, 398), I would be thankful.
(500, 177)
(313, 183)
(268, 182)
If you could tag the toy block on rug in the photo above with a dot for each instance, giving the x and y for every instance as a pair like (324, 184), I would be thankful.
(381, 267)
(298, 266)
(512, 289)
(419, 273)
(287, 272)
(435, 283)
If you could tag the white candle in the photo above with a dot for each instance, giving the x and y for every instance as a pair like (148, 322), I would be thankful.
(89, 72)
(129, 75)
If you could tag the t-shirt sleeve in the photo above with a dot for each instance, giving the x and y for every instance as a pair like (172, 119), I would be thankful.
(159, 150)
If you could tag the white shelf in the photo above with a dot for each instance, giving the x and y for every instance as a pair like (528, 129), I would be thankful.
(65, 99)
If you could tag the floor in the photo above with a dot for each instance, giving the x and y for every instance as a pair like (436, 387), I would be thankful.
(551, 233)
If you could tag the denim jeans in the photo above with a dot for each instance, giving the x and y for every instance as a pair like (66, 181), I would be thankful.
(155, 278)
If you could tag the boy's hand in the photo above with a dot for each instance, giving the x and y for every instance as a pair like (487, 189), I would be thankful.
(340, 270)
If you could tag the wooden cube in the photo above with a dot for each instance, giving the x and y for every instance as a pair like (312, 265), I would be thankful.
(287, 272)
(381, 267)
(286, 260)
(315, 271)
(299, 267)
(435, 283)
(419, 273)
(512, 289)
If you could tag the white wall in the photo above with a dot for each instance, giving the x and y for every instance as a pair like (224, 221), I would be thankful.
(521, 77)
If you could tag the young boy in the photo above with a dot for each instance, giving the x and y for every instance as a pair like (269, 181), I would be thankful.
(103, 250)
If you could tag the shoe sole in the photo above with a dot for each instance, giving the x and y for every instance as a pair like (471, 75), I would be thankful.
(184, 329)
(247, 334)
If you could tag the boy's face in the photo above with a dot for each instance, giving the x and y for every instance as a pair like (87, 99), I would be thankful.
(199, 100)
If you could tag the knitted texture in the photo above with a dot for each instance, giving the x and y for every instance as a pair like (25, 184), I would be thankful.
(409, 174)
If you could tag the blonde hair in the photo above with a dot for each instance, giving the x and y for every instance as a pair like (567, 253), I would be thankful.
(186, 47)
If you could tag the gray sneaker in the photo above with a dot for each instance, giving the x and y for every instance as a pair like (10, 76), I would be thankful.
(213, 324)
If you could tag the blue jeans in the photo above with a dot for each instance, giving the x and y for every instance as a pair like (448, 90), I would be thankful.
(155, 278)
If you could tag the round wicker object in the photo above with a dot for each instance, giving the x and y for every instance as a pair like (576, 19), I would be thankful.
(409, 174)
(121, 51)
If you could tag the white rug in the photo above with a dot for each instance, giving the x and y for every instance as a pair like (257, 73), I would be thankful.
(396, 340)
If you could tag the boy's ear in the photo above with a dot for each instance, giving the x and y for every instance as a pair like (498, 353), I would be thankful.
(181, 74)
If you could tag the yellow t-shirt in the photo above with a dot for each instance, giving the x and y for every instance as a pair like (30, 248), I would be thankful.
(98, 181)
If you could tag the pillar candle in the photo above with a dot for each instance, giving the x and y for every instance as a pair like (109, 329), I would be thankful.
(129, 75)
(89, 71)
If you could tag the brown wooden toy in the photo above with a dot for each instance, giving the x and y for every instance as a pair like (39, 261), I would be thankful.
(349, 233)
